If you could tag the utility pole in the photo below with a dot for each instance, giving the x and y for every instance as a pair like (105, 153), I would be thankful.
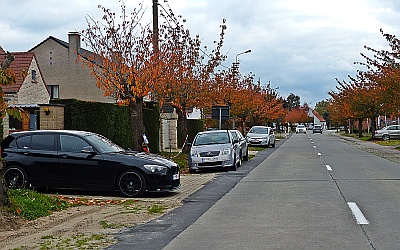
(155, 25)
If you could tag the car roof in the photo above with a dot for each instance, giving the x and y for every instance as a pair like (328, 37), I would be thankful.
(32, 132)
(259, 126)
(213, 131)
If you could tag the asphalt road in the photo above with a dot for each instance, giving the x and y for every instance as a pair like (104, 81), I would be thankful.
(311, 192)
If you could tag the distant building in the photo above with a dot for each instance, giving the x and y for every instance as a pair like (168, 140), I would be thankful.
(318, 119)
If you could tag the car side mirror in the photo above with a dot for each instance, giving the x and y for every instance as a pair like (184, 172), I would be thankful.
(236, 141)
(88, 150)
(189, 144)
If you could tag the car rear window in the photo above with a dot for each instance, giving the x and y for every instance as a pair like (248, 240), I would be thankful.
(24, 142)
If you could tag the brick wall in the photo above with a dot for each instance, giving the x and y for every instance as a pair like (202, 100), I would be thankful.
(51, 117)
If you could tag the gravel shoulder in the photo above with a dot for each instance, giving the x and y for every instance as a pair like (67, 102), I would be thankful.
(92, 226)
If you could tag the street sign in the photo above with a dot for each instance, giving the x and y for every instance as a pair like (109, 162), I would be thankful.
(220, 113)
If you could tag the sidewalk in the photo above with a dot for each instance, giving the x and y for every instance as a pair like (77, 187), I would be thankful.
(386, 152)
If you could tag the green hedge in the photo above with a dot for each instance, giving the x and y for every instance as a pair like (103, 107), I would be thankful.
(194, 126)
(110, 120)
(151, 119)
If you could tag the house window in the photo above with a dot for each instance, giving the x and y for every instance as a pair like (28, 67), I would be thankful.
(54, 91)
(33, 75)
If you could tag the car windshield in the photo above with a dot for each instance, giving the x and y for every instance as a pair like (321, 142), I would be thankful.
(259, 130)
(103, 144)
(212, 138)
(300, 126)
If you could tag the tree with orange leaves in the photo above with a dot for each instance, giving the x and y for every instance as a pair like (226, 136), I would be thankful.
(185, 71)
(297, 116)
(372, 92)
(123, 62)
(7, 77)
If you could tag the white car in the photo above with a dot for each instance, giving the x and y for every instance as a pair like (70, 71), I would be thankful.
(261, 136)
(301, 129)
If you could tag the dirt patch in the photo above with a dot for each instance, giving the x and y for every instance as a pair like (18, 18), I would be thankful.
(91, 226)
(78, 227)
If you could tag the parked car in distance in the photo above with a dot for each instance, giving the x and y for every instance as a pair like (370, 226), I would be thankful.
(242, 143)
(261, 136)
(387, 133)
(301, 129)
(64, 159)
(317, 129)
(214, 149)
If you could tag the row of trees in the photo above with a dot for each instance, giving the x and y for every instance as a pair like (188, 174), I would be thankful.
(174, 69)
(371, 92)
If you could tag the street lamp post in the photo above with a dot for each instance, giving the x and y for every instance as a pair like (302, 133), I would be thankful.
(244, 52)
(236, 71)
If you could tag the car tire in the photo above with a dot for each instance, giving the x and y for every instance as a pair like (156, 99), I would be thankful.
(385, 137)
(273, 145)
(132, 183)
(16, 178)
(246, 156)
(234, 166)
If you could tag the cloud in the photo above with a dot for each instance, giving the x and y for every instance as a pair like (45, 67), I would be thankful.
(298, 46)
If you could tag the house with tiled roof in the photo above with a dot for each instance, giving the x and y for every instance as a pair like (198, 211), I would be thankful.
(66, 76)
(318, 119)
(30, 94)
(29, 87)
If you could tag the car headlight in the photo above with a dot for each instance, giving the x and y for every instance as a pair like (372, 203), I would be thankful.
(194, 153)
(156, 169)
(265, 137)
(226, 151)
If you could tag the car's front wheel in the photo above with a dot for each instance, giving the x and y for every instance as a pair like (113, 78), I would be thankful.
(132, 183)
(385, 137)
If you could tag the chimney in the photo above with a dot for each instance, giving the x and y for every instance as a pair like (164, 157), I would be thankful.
(74, 44)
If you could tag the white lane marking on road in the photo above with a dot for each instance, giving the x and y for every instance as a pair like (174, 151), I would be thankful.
(314, 146)
(361, 220)
(319, 154)
(328, 168)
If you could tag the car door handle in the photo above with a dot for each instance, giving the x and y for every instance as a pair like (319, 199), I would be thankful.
(65, 156)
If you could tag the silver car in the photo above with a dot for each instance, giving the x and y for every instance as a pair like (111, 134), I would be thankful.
(387, 133)
(261, 136)
(214, 149)
(242, 144)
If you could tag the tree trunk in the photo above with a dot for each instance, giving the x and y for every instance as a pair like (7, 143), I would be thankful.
(136, 111)
(373, 125)
(360, 123)
(3, 188)
(182, 125)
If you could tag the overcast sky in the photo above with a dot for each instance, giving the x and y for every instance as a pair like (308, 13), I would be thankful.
(300, 46)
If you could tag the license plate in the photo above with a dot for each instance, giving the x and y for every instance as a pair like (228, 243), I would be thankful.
(209, 159)
(175, 177)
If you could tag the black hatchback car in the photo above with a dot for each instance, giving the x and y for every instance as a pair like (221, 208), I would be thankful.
(64, 159)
